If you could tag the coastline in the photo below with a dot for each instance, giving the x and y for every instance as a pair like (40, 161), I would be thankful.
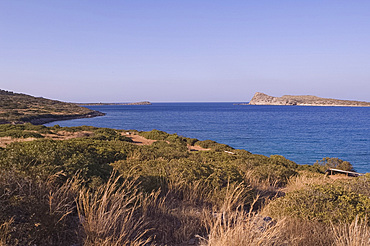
(43, 119)
(52, 118)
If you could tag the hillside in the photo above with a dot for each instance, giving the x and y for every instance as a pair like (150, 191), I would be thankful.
(263, 99)
(99, 186)
(20, 108)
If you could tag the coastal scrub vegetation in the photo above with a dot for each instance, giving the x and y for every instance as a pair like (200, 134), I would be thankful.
(336, 163)
(97, 186)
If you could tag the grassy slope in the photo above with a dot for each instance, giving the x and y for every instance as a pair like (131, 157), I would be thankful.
(101, 189)
(20, 108)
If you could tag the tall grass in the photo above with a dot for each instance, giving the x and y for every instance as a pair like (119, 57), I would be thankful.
(38, 212)
(64, 212)
(109, 215)
(304, 180)
(355, 234)
(233, 225)
(5, 229)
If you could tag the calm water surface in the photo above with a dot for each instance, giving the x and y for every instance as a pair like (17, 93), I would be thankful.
(300, 133)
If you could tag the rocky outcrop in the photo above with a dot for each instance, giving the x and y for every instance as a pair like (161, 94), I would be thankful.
(263, 99)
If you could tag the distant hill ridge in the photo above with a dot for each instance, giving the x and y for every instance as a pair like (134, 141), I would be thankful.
(263, 99)
(17, 108)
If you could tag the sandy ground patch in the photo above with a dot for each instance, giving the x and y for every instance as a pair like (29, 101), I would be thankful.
(62, 135)
(139, 140)
(4, 141)
(197, 148)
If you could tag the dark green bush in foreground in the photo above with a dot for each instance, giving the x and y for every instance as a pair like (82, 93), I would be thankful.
(324, 203)
(45, 157)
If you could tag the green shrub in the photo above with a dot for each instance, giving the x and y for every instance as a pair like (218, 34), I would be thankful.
(360, 185)
(191, 141)
(109, 134)
(324, 203)
(155, 135)
(20, 134)
(210, 144)
(44, 157)
(74, 128)
(336, 163)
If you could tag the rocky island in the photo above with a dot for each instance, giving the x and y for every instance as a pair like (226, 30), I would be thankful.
(263, 99)
(17, 108)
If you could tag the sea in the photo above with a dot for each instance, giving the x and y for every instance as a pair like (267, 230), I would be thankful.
(303, 134)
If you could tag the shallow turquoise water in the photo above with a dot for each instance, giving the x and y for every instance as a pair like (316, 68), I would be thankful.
(300, 133)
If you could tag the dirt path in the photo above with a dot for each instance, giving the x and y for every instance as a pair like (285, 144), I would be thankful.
(197, 148)
(139, 140)
(4, 141)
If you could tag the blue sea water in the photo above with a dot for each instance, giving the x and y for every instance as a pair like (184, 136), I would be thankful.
(302, 134)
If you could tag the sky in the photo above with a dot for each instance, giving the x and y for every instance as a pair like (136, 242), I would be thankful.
(184, 51)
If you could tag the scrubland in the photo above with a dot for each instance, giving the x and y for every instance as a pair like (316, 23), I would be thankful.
(100, 188)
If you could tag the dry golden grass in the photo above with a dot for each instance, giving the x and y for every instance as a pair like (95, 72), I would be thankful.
(355, 234)
(265, 188)
(295, 232)
(304, 180)
(5, 229)
(37, 212)
(108, 215)
(241, 229)
(119, 213)
(233, 225)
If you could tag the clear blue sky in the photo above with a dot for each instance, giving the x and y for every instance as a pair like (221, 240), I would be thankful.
(193, 50)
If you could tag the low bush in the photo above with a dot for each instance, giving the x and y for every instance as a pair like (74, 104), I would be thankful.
(20, 134)
(42, 158)
(155, 135)
(326, 203)
(336, 163)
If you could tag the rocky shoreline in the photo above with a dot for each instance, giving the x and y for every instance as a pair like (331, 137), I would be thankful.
(43, 119)
(263, 99)
(51, 118)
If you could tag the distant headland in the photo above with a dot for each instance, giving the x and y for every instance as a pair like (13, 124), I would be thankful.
(17, 108)
(102, 104)
(263, 99)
